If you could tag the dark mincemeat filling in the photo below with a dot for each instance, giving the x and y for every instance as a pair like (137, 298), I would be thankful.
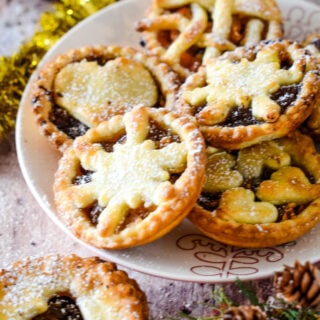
(61, 308)
(83, 177)
(286, 96)
(286, 61)
(210, 202)
(71, 126)
(93, 212)
(65, 122)
(241, 116)
(161, 136)
(289, 211)
(174, 177)
(108, 145)
(316, 43)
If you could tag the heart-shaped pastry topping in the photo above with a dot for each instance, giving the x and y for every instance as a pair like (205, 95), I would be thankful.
(93, 92)
(252, 160)
(288, 184)
(238, 205)
(277, 202)
(220, 175)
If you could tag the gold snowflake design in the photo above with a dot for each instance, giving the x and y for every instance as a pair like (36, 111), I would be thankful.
(135, 173)
(243, 83)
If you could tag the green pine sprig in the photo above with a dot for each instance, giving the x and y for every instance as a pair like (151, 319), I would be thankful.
(275, 308)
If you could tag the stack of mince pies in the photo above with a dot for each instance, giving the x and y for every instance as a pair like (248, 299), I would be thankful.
(214, 119)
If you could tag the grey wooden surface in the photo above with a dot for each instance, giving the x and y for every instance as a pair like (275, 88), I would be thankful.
(26, 230)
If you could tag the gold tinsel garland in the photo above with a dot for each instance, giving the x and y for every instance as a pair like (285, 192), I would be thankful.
(16, 70)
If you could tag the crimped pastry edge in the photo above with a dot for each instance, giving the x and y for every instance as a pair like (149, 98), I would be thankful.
(160, 221)
(81, 277)
(259, 235)
(42, 86)
(268, 234)
(232, 138)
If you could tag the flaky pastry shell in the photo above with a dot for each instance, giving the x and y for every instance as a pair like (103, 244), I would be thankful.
(312, 43)
(187, 33)
(312, 124)
(252, 94)
(261, 196)
(82, 87)
(69, 287)
(131, 179)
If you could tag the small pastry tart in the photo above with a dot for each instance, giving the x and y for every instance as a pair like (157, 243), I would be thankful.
(131, 179)
(83, 87)
(69, 287)
(252, 94)
(186, 33)
(264, 195)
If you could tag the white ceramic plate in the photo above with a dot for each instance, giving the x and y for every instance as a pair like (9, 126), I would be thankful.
(184, 254)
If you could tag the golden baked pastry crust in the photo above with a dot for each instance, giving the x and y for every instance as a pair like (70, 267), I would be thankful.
(312, 43)
(252, 94)
(97, 288)
(267, 195)
(187, 33)
(146, 171)
(91, 84)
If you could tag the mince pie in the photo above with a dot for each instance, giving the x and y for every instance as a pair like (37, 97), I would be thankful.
(82, 87)
(131, 179)
(186, 33)
(252, 94)
(70, 288)
(263, 195)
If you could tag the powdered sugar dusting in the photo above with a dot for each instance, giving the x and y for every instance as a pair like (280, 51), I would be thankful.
(30, 283)
(91, 92)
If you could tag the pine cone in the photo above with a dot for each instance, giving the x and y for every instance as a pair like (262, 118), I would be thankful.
(299, 284)
(244, 313)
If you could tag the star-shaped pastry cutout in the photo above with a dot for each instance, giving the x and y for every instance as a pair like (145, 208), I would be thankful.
(243, 83)
(133, 174)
